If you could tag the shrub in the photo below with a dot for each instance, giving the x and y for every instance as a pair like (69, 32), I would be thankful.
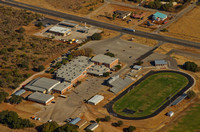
(98, 120)
(96, 36)
(117, 67)
(107, 118)
(120, 123)
(3, 96)
(49, 126)
(164, 30)
(21, 30)
(109, 54)
(3, 51)
(11, 49)
(130, 129)
(106, 74)
(40, 68)
(191, 94)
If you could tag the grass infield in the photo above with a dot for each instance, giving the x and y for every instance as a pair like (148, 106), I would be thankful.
(150, 94)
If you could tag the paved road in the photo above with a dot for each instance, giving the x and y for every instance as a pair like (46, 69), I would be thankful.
(109, 106)
(102, 24)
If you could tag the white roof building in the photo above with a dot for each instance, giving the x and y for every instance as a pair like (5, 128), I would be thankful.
(93, 126)
(95, 100)
(104, 59)
(60, 30)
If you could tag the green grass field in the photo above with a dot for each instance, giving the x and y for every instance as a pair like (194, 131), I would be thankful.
(189, 122)
(150, 94)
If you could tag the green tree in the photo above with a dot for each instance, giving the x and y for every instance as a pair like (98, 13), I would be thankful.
(67, 128)
(109, 54)
(191, 66)
(40, 68)
(21, 30)
(130, 129)
(49, 126)
(39, 24)
(15, 99)
(3, 51)
(106, 74)
(96, 36)
(3, 96)
(191, 94)
(107, 118)
(11, 49)
(120, 123)
(98, 120)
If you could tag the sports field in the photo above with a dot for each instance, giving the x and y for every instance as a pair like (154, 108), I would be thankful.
(150, 94)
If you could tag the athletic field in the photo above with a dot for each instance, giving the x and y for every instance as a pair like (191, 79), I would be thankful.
(150, 94)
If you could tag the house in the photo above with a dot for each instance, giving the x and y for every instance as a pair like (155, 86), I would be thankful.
(138, 16)
(61, 31)
(41, 98)
(108, 61)
(159, 16)
(42, 85)
(95, 100)
(122, 14)
(160, 63)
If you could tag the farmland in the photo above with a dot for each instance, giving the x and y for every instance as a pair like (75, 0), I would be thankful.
(150, 94)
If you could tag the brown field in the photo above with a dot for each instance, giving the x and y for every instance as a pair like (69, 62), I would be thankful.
(186, 27)
(105, 15)
(108, 33)
(77, 7)
(165, 48)
(140, 40)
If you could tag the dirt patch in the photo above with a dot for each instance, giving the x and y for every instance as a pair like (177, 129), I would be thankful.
(186, 27)
(109, 33)
(105, 15)
(76, 7)
(140, 40)
(165, 48)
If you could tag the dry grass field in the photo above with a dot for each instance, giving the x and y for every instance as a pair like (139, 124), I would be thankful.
(140, 40)
(77, 7)
(105, 15)
(187, 27)
(165, 48)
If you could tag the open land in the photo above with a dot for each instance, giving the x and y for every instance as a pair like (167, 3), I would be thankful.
(105, 15)
(148, 96)
(186, 27)
(77, 7)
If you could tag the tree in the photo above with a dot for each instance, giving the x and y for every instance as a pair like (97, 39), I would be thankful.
(96, 36)
(191, 66)
(15, 99)
(191, 94)
(40, 68)
(107, 118)
(39, 24)
(21, 30)
(130, 129)
(67, 128)
(11, 49)
(117, 67)
(106, 74)
(98, 120)
(3, 51)
(120, 123)
(49, 126)
(3, 96)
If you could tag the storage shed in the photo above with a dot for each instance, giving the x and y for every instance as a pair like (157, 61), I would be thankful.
(137, 67)
(170, 114)
(95, 100)
(19, 92)
(93, 126)
(74, 121)
(41, 98)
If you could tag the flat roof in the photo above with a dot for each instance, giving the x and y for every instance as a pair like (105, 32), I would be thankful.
(98, 70)
(119, 84)
(160, 62)
(42, 84)
(59, 29)
(74, 68)
(96, 99)
(68, 23)
(103, 59)
(40, 97)
(62, 86)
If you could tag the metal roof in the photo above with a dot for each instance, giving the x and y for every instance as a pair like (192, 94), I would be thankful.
(19, 92)
(93, 126)
(40, 97)
(74, 121)
(74, 68)
(58, 29)
(103, 59)
(68, 23)
(119, 84)
(96, 99)
(160, 62)
(62, 86)
(137, 67)
(179, 99)
(42, 84)
(160, 15)
(98, 70)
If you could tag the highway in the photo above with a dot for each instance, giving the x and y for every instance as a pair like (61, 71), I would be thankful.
(101, 24)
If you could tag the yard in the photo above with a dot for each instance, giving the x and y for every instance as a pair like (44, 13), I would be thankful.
(189, 122)
(150, 94)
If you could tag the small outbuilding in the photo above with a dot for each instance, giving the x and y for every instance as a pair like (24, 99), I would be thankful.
(95, 100)
(19, 92)
(170, 114)
(137, 67)
(74, 121)
(93, 126)
(160, 63)
(41, 98)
